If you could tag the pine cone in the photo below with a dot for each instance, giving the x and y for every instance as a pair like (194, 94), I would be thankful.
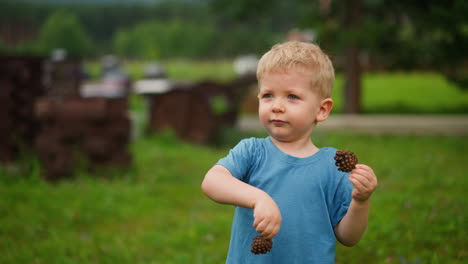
(261, 245)
(345, 160)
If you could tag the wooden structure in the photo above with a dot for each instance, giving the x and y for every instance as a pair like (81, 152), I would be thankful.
(41, 109)
(196, 111)
(93, 130)
(20, 85)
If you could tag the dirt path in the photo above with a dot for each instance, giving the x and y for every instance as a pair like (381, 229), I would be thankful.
(383, 124)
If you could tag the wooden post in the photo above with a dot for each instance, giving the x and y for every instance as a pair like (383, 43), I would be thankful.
(353, 71)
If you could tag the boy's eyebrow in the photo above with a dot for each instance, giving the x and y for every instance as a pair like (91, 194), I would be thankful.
(288, 90)
(264, 90)
(294, 91)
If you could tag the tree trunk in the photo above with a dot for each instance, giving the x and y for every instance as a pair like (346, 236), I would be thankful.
(352, 88)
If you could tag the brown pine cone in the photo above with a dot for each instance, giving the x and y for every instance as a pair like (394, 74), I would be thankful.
(345, 160)
(261, 245)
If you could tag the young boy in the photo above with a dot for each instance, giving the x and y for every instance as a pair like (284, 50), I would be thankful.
(284, 186)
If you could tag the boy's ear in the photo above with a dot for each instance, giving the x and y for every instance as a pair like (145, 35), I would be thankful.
(326, 106)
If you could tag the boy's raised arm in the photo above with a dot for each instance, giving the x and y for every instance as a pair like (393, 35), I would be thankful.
(220, 186)
(351, 228)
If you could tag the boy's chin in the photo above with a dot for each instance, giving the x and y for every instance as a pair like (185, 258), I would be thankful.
(285, 137)
(281, 137)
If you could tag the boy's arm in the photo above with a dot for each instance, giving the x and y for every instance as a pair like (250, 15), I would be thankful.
(350, 229)
(220, 186)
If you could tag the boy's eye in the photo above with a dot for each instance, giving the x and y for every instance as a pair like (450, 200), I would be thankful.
(292, 97)
(267, 95)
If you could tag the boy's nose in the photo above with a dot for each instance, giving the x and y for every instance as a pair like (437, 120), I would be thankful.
(278, 107)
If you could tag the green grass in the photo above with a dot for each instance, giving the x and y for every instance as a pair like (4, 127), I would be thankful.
(407, 92)
(155, 212)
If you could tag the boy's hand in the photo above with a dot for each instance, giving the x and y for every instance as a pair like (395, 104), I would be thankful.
(267, 216)
(364, 181)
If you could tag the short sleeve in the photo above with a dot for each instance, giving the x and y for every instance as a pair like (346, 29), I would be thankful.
(342, 199)
(240, 158)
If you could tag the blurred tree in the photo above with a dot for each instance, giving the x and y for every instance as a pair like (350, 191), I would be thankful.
(243, 9)
(155, 40)
(63, 30)
(122, 44)
(396, 34)
(442, 29)
(221, 31)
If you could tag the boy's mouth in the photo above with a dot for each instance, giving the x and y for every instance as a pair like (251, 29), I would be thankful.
(277, 121)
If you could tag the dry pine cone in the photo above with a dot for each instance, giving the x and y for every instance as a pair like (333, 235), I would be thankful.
(261, 245)
(345, 160)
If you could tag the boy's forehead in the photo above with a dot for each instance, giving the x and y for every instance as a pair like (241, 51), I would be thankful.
(284, 72)
(284, 81)
(287, 68)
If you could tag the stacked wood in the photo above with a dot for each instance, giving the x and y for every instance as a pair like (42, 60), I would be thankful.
(40, 107)
(94, 129)
(196, 111)
(63, 78)
(20, 85)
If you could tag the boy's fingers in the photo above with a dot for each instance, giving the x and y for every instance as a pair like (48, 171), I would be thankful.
(267, 229)
(357, 185)
(364, 167)
(371, 179)
(268, 236)
(256, 221)
(271, 231)
(361, 179)
(368, 175)
(364, 181)
(268, 232)
(361, 172)
(260, 227)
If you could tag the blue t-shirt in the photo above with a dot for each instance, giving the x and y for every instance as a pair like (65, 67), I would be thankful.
(312, 195)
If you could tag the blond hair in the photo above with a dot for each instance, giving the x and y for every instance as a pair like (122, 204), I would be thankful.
(307, 58)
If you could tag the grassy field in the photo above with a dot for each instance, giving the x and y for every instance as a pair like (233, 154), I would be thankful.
(407, 92)
(156, 213)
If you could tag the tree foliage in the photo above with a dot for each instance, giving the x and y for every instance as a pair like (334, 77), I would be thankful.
(63, 30)
(154, 40)
(159, 29)
(399, 34)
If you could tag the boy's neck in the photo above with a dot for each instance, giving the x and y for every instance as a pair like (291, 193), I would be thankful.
(300, 148)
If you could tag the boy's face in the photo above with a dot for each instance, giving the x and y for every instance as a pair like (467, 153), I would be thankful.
(288, 107)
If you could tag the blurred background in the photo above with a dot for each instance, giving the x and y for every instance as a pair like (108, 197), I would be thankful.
(112, 111)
